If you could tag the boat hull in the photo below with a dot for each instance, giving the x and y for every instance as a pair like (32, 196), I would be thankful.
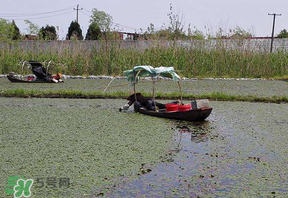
(191, 115)
(16, 80)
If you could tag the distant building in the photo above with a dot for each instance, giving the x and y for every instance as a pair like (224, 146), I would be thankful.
(129, 36)
(28, 37)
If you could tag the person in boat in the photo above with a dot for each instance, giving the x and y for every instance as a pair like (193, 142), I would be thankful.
(142, 102)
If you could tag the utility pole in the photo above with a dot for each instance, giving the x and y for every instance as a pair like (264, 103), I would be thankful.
(272, 37)
(77, 9)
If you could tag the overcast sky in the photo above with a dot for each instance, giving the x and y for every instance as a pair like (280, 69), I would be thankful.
(206, 15)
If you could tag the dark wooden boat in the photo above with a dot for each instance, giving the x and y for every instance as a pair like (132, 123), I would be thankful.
(42, 76)
(191, 115)
(17, 80)
(195, 114)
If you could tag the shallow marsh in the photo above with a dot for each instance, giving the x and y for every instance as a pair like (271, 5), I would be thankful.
(240, 151)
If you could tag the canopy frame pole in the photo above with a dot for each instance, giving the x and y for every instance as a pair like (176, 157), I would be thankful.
(135, 84)
(181, 97)
(154, 93)
(22, 70)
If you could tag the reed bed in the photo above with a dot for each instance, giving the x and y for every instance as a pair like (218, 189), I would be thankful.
(113, 57)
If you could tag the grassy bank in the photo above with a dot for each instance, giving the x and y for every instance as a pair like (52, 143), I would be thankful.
(113, 59)
(122, 95)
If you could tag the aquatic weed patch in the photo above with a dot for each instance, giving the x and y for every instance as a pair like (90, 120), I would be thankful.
(240, 151)
(87, 141)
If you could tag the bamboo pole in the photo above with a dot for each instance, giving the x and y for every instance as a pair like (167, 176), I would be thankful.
(130, 83)
(108, 85)
(135, 85)
(154, 93)
(181, 97)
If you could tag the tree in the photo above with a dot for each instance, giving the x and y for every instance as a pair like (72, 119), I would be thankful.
(5, 30)
(174, 31)
(102, 19)
(32, 27)
(74, 32)
(93, 32)
(176, 27)
(240, 33)
(195, 34)
(283, 34)
(48, 33)
(15, 35)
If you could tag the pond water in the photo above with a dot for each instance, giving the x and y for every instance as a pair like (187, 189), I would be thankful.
(239, 151)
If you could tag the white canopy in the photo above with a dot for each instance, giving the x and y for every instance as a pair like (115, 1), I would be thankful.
(147, 70)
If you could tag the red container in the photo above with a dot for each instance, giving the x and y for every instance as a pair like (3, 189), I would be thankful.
(183, 108)
(30, 78)
(171, 107)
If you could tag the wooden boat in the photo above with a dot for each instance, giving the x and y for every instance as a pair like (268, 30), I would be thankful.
(40, 74)
(17, 80)
(191, 115)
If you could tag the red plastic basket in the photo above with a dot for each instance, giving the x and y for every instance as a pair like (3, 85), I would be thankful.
(171, 107)
(183, 108)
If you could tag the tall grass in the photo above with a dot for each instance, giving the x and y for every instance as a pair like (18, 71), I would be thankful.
(114, 57)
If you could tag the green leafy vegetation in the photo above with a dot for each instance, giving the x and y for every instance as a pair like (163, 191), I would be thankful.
(243, 90)
(112, 59)
(283, 34)
(240, 151)
(93, 32)
(15, 31)
(74, 31)
(5, 30)
(32, 29)
(22, 93)
(84, 140)
(48, 33)
(103, 20)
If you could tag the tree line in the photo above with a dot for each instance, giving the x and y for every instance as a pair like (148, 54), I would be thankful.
(100, 27)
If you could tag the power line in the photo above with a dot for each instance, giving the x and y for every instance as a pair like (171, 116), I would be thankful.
(19, 19)
(33, 14)
(87, 10)
(85, 13)
(118, 24)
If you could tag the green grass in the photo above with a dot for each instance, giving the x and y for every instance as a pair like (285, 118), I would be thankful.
(113, 60)
(216, 96)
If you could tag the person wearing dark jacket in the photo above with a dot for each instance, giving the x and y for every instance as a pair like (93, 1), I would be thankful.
(143, 102)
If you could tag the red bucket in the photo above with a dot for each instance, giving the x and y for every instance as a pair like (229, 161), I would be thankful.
(171, 107)
(186, 107)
